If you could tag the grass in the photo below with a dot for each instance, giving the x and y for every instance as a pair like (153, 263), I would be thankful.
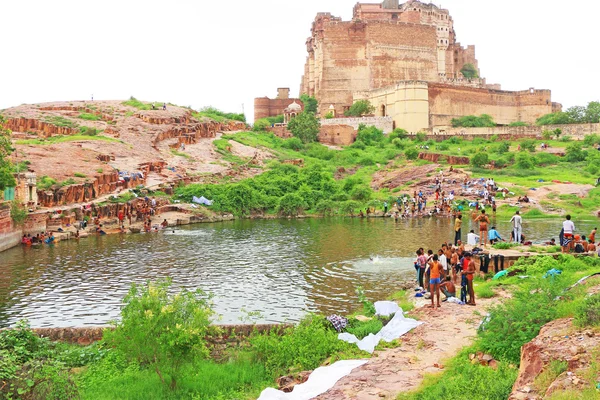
(182, 154)
(401, 297)
(90, 117)
(63, 122)
(549, 374)
(79, 175)
(45, 182)
(64, 139)
(140, 105)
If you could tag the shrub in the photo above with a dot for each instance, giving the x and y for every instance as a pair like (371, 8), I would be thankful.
(420, 137)
(364, 329)
(547, 135)
(469, 71)
(366, 161)
(300, 348)
(518, 321)
(87, 131)
(359, 144)
(261, 125)
(90, 117)
(18, 212)
(161, 330)
(480, 159)
(291, 205)
(523, 161)
(528, 144)
(370, 135)
(359, 108)
(398, 133)
(293, 144)
(348, 207)
(79, 175)
(411, 154)
(442, 146)
(575, 153)
(588, 313)
(399, 144)
(543, 159)
(361, 193)
(518, 123)
(591, 140)
(503, 147)
(325, 207)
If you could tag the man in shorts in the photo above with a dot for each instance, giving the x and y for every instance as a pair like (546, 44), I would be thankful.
(434, 280)
(568, 229)
(483, 227)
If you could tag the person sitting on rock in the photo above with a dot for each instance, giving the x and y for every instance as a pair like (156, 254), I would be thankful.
(448, 288)
(164, 224)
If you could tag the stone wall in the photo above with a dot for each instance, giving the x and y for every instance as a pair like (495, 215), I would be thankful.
(265, 107)
(386, 124)
(10, 235)
(576, 131)
(452, 101)
(337, 135)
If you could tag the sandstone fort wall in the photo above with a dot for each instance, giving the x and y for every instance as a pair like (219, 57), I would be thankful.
(265, 107)
(386, 124)
(576, 131)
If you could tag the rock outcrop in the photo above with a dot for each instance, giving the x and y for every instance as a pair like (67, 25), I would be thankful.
(452, 160)
(559, 342)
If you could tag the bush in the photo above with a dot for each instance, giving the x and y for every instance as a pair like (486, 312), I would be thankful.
(399, 144)
(359, 144)
(369, 135)
(420, 137)
(411, 154)
(543, 159)
(18, 212)
(547, 135)
(291, 205)
(480, 160)
(528, 144)
(591, 140)
(293, 144)
(442, 146)
(359, 108)
(575, 153)
(518, 123)
(469, 71)
(305, 126)
(523, 161)
(361, 193)
(87, 131)
(325, 207)
(161, 330)
(503, 147)
(366, 161)
(398, 133)
(300, 348)
(588, 313)
(348, 207)
(518, 321)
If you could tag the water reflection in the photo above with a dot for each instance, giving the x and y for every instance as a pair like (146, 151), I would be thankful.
(282, 268)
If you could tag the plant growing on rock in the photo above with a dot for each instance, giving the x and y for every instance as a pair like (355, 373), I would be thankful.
(161, 330)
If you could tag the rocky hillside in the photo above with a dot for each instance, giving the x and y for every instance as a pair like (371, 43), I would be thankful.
(77, 149)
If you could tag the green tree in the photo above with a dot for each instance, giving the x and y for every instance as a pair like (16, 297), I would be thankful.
(161, 330)
(480, 160)
(291, 205)
(360, 108)
(523, 161)
(7, 178)
(557, 118)
(310, 103)
(411, 154)
(469, 71)
(592, 113)
(369, 135)
(305, 127)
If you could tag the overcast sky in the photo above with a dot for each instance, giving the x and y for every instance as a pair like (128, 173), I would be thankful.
(226, 53)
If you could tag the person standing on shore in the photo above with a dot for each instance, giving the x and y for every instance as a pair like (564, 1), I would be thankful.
(592, 237)
(517, 224)
(483, 227)
(434, 280)
(457, 227)
(422, 260)
(470, 273)
(568, 229)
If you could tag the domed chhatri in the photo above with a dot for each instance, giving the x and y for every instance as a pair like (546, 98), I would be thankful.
(291, 112)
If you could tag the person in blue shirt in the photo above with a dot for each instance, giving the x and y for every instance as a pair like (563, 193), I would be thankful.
(494, 236)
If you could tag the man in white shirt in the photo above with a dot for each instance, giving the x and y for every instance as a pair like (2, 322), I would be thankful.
(443, 260)
(517, 222)
(472, 239)
(568, 230)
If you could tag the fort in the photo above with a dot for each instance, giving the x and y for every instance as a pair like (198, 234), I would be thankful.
(406, 60)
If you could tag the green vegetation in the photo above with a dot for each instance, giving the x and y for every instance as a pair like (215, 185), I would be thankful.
(535, 301)
(263, 123)
(518, 123)
(469, 71)
(310, 103)
(63, 122)
(218, 115)
(473, 121)
(178, 153)
(573, 115)
(18, 212)
(63, 139)
(305, 127)
(79, 175)
(6, 176)
(45, 182)
(90, 117)
(359, 108)
(133, 102)
(88, 131)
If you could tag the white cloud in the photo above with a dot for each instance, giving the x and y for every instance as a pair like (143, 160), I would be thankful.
(225, 53)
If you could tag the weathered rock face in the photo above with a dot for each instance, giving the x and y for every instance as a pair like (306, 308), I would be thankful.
(199, 130)
(557, 341)
(44, 129)
(452, 160)
(155, 117)
(84, 192)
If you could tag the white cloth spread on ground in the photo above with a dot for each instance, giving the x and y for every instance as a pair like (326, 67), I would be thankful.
(321, 380)
(386, 308)
(398, 326)
(202, 200)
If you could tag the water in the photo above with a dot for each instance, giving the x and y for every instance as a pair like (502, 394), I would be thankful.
(280, 268)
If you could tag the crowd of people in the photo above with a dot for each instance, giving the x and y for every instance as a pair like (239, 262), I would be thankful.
(441, 272)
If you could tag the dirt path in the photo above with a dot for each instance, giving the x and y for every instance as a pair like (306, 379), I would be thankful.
(393, 371)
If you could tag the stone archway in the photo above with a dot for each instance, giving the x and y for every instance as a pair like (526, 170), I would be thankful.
(382, 110)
